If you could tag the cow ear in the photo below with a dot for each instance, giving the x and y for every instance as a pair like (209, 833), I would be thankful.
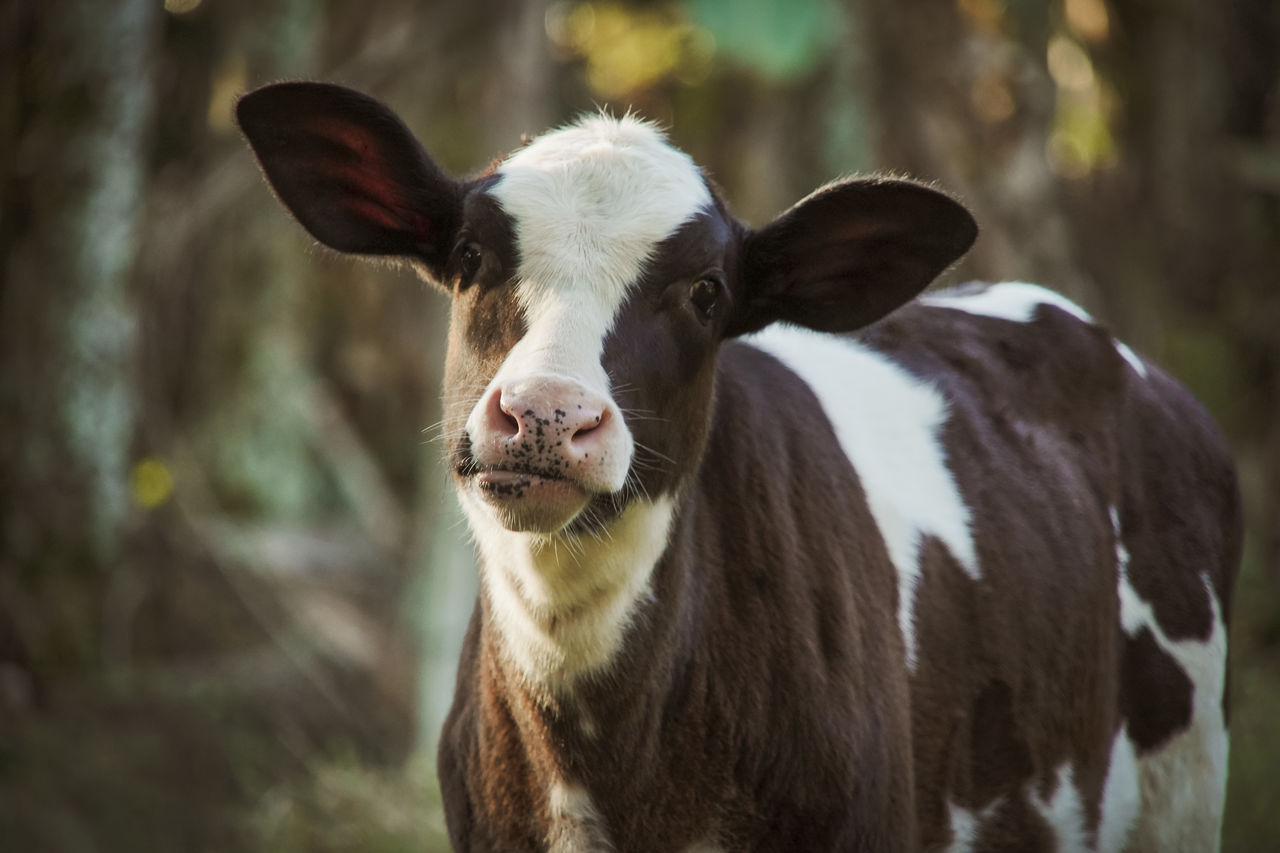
(351, 173)
(849, 254)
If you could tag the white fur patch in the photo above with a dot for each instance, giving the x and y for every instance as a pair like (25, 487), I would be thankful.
(964, 829)
(1063, 811)
(590, 204)
(575, 823)
(966, 825)
(888, 423)
(1121, 796)
(1138, 365)
(562, 606)
(591, 201)
(1017, 302)
(1183, 783)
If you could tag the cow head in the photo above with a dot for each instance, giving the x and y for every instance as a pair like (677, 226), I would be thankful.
(593, 275)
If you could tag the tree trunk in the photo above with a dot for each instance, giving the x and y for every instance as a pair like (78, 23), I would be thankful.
(78, 99)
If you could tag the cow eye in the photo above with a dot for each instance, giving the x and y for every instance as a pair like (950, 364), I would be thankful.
(468, 264)
(703, 293)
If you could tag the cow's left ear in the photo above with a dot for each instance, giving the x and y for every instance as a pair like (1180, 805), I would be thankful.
(849, 254)
(351, 172)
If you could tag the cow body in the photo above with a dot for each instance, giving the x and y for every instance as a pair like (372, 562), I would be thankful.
(956, 579)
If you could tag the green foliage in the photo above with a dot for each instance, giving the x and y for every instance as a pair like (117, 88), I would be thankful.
(780, 39)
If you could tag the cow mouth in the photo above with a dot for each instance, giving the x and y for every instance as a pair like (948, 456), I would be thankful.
(535, 500)
(528, 501)
(500, 484)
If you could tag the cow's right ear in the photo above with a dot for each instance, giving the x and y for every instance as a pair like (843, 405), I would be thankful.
(351, 172)
(849, 254)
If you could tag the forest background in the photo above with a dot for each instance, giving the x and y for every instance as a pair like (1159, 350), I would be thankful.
(232, 580)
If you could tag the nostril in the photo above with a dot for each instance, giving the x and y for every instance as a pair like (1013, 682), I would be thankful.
(589, 423)
(501, 416)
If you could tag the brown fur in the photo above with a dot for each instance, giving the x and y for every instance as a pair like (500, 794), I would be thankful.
(761, 699)
(702, 735)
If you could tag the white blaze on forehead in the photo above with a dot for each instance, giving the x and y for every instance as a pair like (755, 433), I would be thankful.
(590, 203)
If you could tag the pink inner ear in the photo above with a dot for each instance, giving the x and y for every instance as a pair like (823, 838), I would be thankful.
(372, 211)
(377, 196)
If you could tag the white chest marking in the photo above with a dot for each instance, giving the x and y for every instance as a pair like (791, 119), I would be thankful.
(888, 424)
(1017, 302)
(562, 607)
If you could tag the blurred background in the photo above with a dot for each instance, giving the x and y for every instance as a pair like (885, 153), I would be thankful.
(232, 581)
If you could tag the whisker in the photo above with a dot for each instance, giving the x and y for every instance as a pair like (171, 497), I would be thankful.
(444, 436)
(652, 452)
(599, 530)
(452, 425)
(638, 489)
(573, 544)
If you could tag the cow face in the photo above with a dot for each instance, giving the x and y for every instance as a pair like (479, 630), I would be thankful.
(593, 275)
(590, 269)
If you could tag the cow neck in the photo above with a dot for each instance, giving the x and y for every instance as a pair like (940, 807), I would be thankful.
(564, 730)
(558, 609)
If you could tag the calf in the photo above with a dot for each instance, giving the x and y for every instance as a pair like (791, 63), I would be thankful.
(957, 579)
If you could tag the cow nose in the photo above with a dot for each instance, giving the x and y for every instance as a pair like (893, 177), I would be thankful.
(548, 425)
(527, 414)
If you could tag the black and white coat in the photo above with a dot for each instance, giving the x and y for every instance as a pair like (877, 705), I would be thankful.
(775, 555)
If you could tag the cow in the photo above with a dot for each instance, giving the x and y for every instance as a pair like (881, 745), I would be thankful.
(777, 553)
